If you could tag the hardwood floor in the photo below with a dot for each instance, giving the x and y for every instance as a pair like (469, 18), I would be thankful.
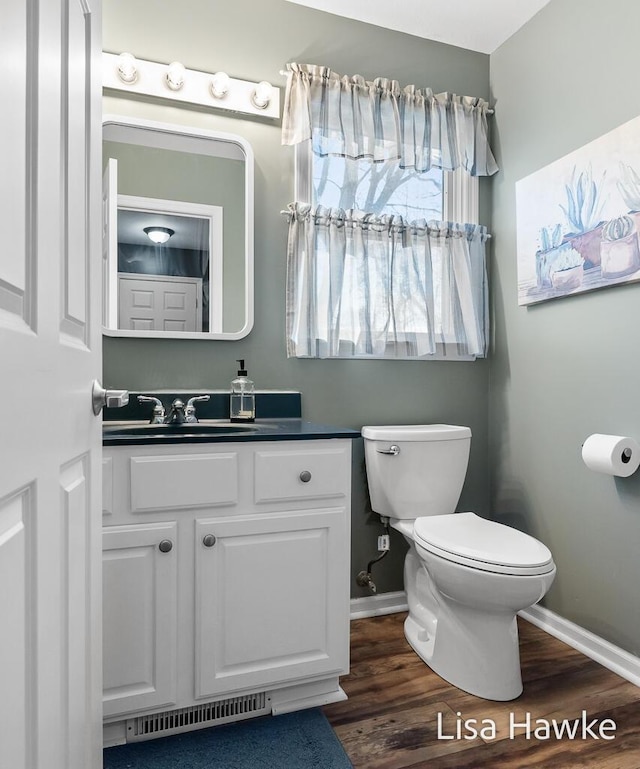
(390, 720)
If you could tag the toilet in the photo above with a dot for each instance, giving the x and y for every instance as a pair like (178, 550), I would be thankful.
(465, 577)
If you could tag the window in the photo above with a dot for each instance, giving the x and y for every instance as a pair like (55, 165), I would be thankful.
(384, 256)
(386, 189)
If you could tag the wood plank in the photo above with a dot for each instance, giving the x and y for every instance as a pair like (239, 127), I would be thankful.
(399, 714)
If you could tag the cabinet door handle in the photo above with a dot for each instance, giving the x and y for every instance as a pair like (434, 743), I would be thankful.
(208, 540)
(305, 476)
(165, 546)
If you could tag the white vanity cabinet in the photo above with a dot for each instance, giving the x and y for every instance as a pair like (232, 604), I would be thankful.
(226, 579)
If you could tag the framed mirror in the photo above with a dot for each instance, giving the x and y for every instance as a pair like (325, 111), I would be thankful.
(177, 231)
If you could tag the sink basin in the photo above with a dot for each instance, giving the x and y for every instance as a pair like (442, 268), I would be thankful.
(185, 429)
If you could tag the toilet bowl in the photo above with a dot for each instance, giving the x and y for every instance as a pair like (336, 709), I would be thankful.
(465, 577)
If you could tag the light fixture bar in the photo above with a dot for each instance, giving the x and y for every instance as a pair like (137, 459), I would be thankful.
(151, 80)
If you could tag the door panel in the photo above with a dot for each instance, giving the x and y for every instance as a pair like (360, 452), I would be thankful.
(76, 142)
(18, 49)
(75, 604)
(17, 716)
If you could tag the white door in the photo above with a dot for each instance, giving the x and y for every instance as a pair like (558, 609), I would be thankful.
(50, 607)
(159, 302)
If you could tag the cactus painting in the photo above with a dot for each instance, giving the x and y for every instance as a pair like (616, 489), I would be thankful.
(578, 219)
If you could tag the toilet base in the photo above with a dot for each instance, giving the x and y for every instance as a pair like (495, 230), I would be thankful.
(474, 647)
(479, 669)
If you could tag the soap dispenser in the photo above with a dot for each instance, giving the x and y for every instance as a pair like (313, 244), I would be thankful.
(243, 400)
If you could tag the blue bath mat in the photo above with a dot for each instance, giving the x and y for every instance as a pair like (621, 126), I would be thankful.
(301, 740)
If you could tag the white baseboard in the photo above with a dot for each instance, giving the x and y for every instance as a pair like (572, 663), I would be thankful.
(377, 605)
(614, 658)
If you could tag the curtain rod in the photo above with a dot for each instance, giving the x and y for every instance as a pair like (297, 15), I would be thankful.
(487, 234)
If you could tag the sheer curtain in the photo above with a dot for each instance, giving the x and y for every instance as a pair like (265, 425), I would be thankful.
(373, 285)
(360, 285)
(377, 119)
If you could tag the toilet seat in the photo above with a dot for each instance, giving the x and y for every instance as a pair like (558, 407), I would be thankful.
(470, 540)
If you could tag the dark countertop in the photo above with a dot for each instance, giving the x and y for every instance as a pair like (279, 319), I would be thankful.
(138, 433)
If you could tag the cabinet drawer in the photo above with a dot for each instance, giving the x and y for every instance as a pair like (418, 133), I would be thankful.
(179, 481)
(305, 474)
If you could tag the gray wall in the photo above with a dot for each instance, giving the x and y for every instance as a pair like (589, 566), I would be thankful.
(570, 367)
(254, 40)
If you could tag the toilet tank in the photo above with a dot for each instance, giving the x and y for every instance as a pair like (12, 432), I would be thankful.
(425, 476)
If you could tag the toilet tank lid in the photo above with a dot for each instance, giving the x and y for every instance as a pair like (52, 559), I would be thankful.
(415, 432)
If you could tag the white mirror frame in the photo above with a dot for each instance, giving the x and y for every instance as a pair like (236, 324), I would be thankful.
(108, 224)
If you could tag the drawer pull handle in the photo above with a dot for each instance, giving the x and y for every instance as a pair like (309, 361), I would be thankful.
(305, 476)
(208, 540)
(165, 546)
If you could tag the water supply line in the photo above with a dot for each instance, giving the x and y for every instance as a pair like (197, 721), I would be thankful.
(364, 578)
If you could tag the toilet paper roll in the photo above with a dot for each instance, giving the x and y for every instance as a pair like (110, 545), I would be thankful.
(611, 454)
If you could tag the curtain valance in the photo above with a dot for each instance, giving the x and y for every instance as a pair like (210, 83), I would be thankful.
(355, 118)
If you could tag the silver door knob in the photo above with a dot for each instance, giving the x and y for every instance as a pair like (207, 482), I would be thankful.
(113, 399)
(165, 546)
(208, 540)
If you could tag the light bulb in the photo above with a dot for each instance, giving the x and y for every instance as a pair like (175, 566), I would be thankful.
(159, 234)
(261, 96)
(127, 68)
(175, 75)
(219, 85)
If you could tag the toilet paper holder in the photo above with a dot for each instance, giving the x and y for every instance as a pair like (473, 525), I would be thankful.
(616, 455)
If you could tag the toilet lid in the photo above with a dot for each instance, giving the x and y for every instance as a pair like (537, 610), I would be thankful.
(474, 541)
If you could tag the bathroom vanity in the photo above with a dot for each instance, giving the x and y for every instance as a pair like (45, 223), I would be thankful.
(226, 573)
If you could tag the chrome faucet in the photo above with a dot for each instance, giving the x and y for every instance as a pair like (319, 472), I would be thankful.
(178, 414)
(190, 410)
(157, 417)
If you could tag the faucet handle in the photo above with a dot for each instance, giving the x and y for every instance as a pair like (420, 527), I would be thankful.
(196, 398)
(158, 408)
(190, 410)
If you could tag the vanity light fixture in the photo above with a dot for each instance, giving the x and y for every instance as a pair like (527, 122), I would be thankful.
(174, 81)
(127, 68)
(175, 75)
(220, 85)
(261, 96)
(159, 235)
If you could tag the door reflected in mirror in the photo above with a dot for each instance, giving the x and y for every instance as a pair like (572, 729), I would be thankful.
(178, 232)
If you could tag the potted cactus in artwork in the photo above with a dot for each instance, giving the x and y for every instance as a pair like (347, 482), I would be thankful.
(558, 264)
(568, 269)
(619, 251)
(583, 210)
(629, 187)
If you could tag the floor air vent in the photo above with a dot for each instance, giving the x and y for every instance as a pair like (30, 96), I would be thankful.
(197, 716)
